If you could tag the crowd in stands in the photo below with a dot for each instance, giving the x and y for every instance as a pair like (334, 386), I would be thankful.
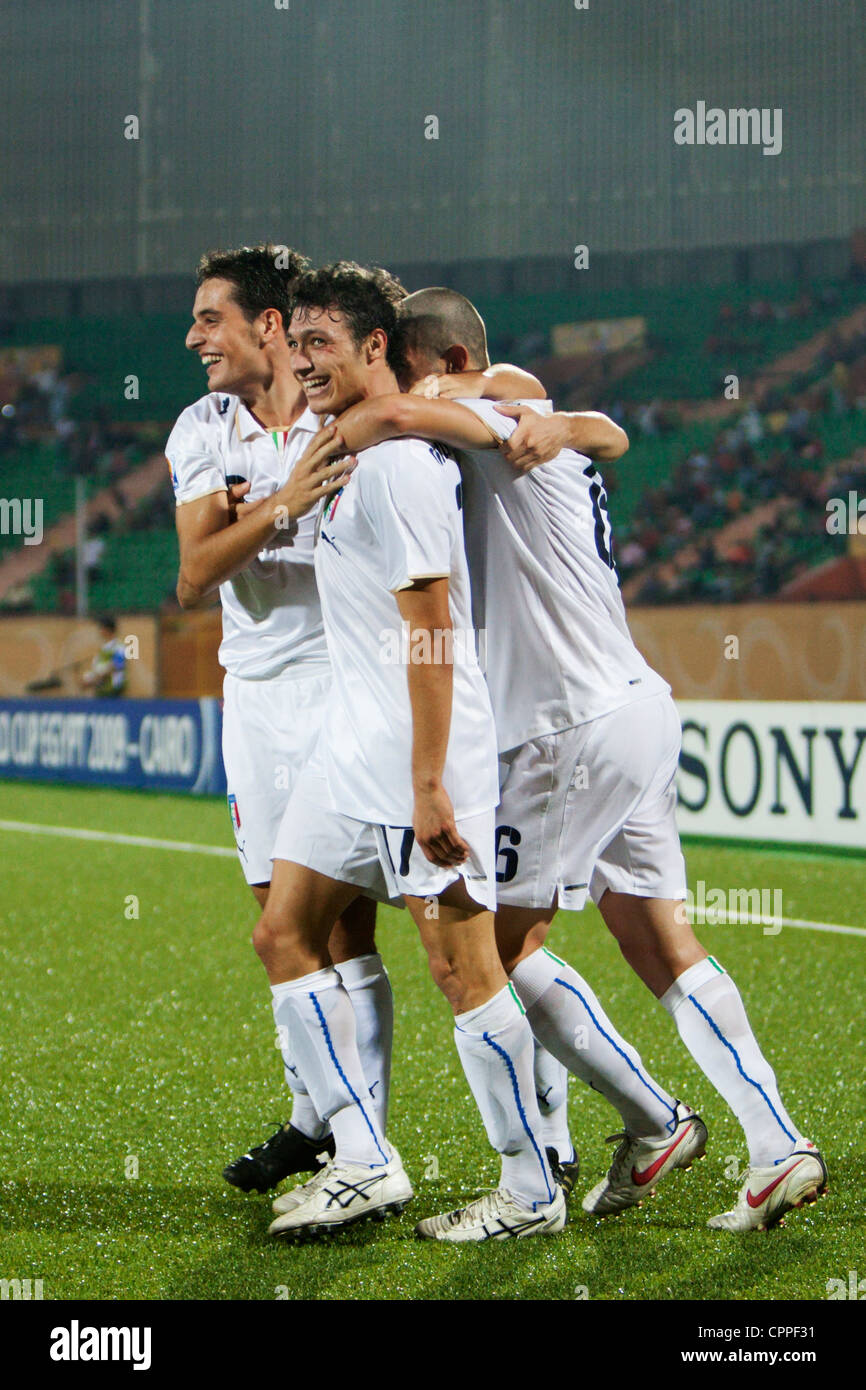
(732, 332)
(39, 402)
(678, 538)
(765, 467)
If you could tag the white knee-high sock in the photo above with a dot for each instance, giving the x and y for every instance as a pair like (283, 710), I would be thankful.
(305, 1116)
(495, 1046)
(705, 1005)
(366, 979)
(551, 1092)
(319, 1020)
(567, 1018)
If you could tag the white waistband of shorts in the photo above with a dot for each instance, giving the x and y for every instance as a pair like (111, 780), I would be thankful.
(292, 671)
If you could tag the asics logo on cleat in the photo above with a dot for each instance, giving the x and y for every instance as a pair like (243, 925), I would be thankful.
(348, 1190)
(515, 1228)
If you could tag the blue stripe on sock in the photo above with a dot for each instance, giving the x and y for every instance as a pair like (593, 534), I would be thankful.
(671, 1125)
(520, 1110)
(757, 1085)
(343, 1077)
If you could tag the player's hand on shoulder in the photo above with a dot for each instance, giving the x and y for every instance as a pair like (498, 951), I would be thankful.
(321, 470)
(450, 386)
(428, 387)
(436, 829)
(461, 386)
(537, 439)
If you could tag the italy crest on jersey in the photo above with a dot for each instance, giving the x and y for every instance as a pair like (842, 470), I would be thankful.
(234, 812)
(332, 505)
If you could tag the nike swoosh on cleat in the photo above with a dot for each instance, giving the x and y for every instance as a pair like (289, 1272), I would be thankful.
(755, 1202)
(641, 1179)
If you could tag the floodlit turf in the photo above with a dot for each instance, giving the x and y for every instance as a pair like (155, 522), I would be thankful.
(138, 1058)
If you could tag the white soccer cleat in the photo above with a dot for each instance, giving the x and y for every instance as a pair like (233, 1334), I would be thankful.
(495, 1216)
(769, 1192)
(340, 1194)
(639, 1164)
(287, 1201)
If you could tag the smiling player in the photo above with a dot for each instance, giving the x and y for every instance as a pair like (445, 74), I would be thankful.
(398, 795)
(253, 434)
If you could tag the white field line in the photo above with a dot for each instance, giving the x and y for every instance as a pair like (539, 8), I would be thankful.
(185, 847)
(723, 919)
(70, 832)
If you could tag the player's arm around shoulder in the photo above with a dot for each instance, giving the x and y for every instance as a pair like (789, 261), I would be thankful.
(539, 438)
(499, 382)
(380, 418)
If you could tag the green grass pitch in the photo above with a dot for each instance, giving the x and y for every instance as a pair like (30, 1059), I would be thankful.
(147, 1046)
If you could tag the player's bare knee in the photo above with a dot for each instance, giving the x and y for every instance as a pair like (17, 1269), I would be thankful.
(268, 933)
(445, 977)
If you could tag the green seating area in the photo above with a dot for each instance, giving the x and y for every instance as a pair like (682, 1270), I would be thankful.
(35, 471)
(138, 565)
(108, 351)
(648, 462)
(137, 571)
(679, 321)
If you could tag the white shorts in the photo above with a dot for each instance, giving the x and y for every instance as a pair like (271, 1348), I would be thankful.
(270, 728)
(592, 808)
(383, 861)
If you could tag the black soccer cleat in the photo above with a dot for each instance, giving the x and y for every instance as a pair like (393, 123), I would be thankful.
(564, 1174)
(286, 1152)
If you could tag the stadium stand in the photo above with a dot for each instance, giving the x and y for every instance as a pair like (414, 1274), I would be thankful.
(717, 498)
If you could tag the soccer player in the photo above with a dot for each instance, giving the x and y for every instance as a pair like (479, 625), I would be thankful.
(589, 743)
(399, 796)
(579, 1037)
(252, 436)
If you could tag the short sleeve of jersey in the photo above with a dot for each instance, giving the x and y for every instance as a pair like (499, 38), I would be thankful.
(502, 426)
(412, 499)
(196, 469)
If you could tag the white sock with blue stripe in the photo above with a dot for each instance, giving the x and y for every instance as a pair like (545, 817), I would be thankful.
(551, 1091)
(366, 979)
(319, 1021)
(496, 1048)
(566, 1017)
(705, 1005)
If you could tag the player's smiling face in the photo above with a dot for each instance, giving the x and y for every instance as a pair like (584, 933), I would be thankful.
(224, 339)
(324, 357)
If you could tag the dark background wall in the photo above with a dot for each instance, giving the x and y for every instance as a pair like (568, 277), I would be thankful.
(307, 125)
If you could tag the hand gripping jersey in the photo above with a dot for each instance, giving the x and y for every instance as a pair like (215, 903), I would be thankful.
(271, 610)
(558, 648)
(398, 519)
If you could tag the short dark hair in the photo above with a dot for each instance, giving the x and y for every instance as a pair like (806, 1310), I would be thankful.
(107, 623)
(366, 297)
(264, 276)
(436, 319)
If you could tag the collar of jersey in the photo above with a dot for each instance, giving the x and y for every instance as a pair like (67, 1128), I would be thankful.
(248, 426)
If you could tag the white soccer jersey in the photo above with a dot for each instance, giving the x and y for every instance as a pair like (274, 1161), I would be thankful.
(397, 519)
(271, 610)
(558, 648)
